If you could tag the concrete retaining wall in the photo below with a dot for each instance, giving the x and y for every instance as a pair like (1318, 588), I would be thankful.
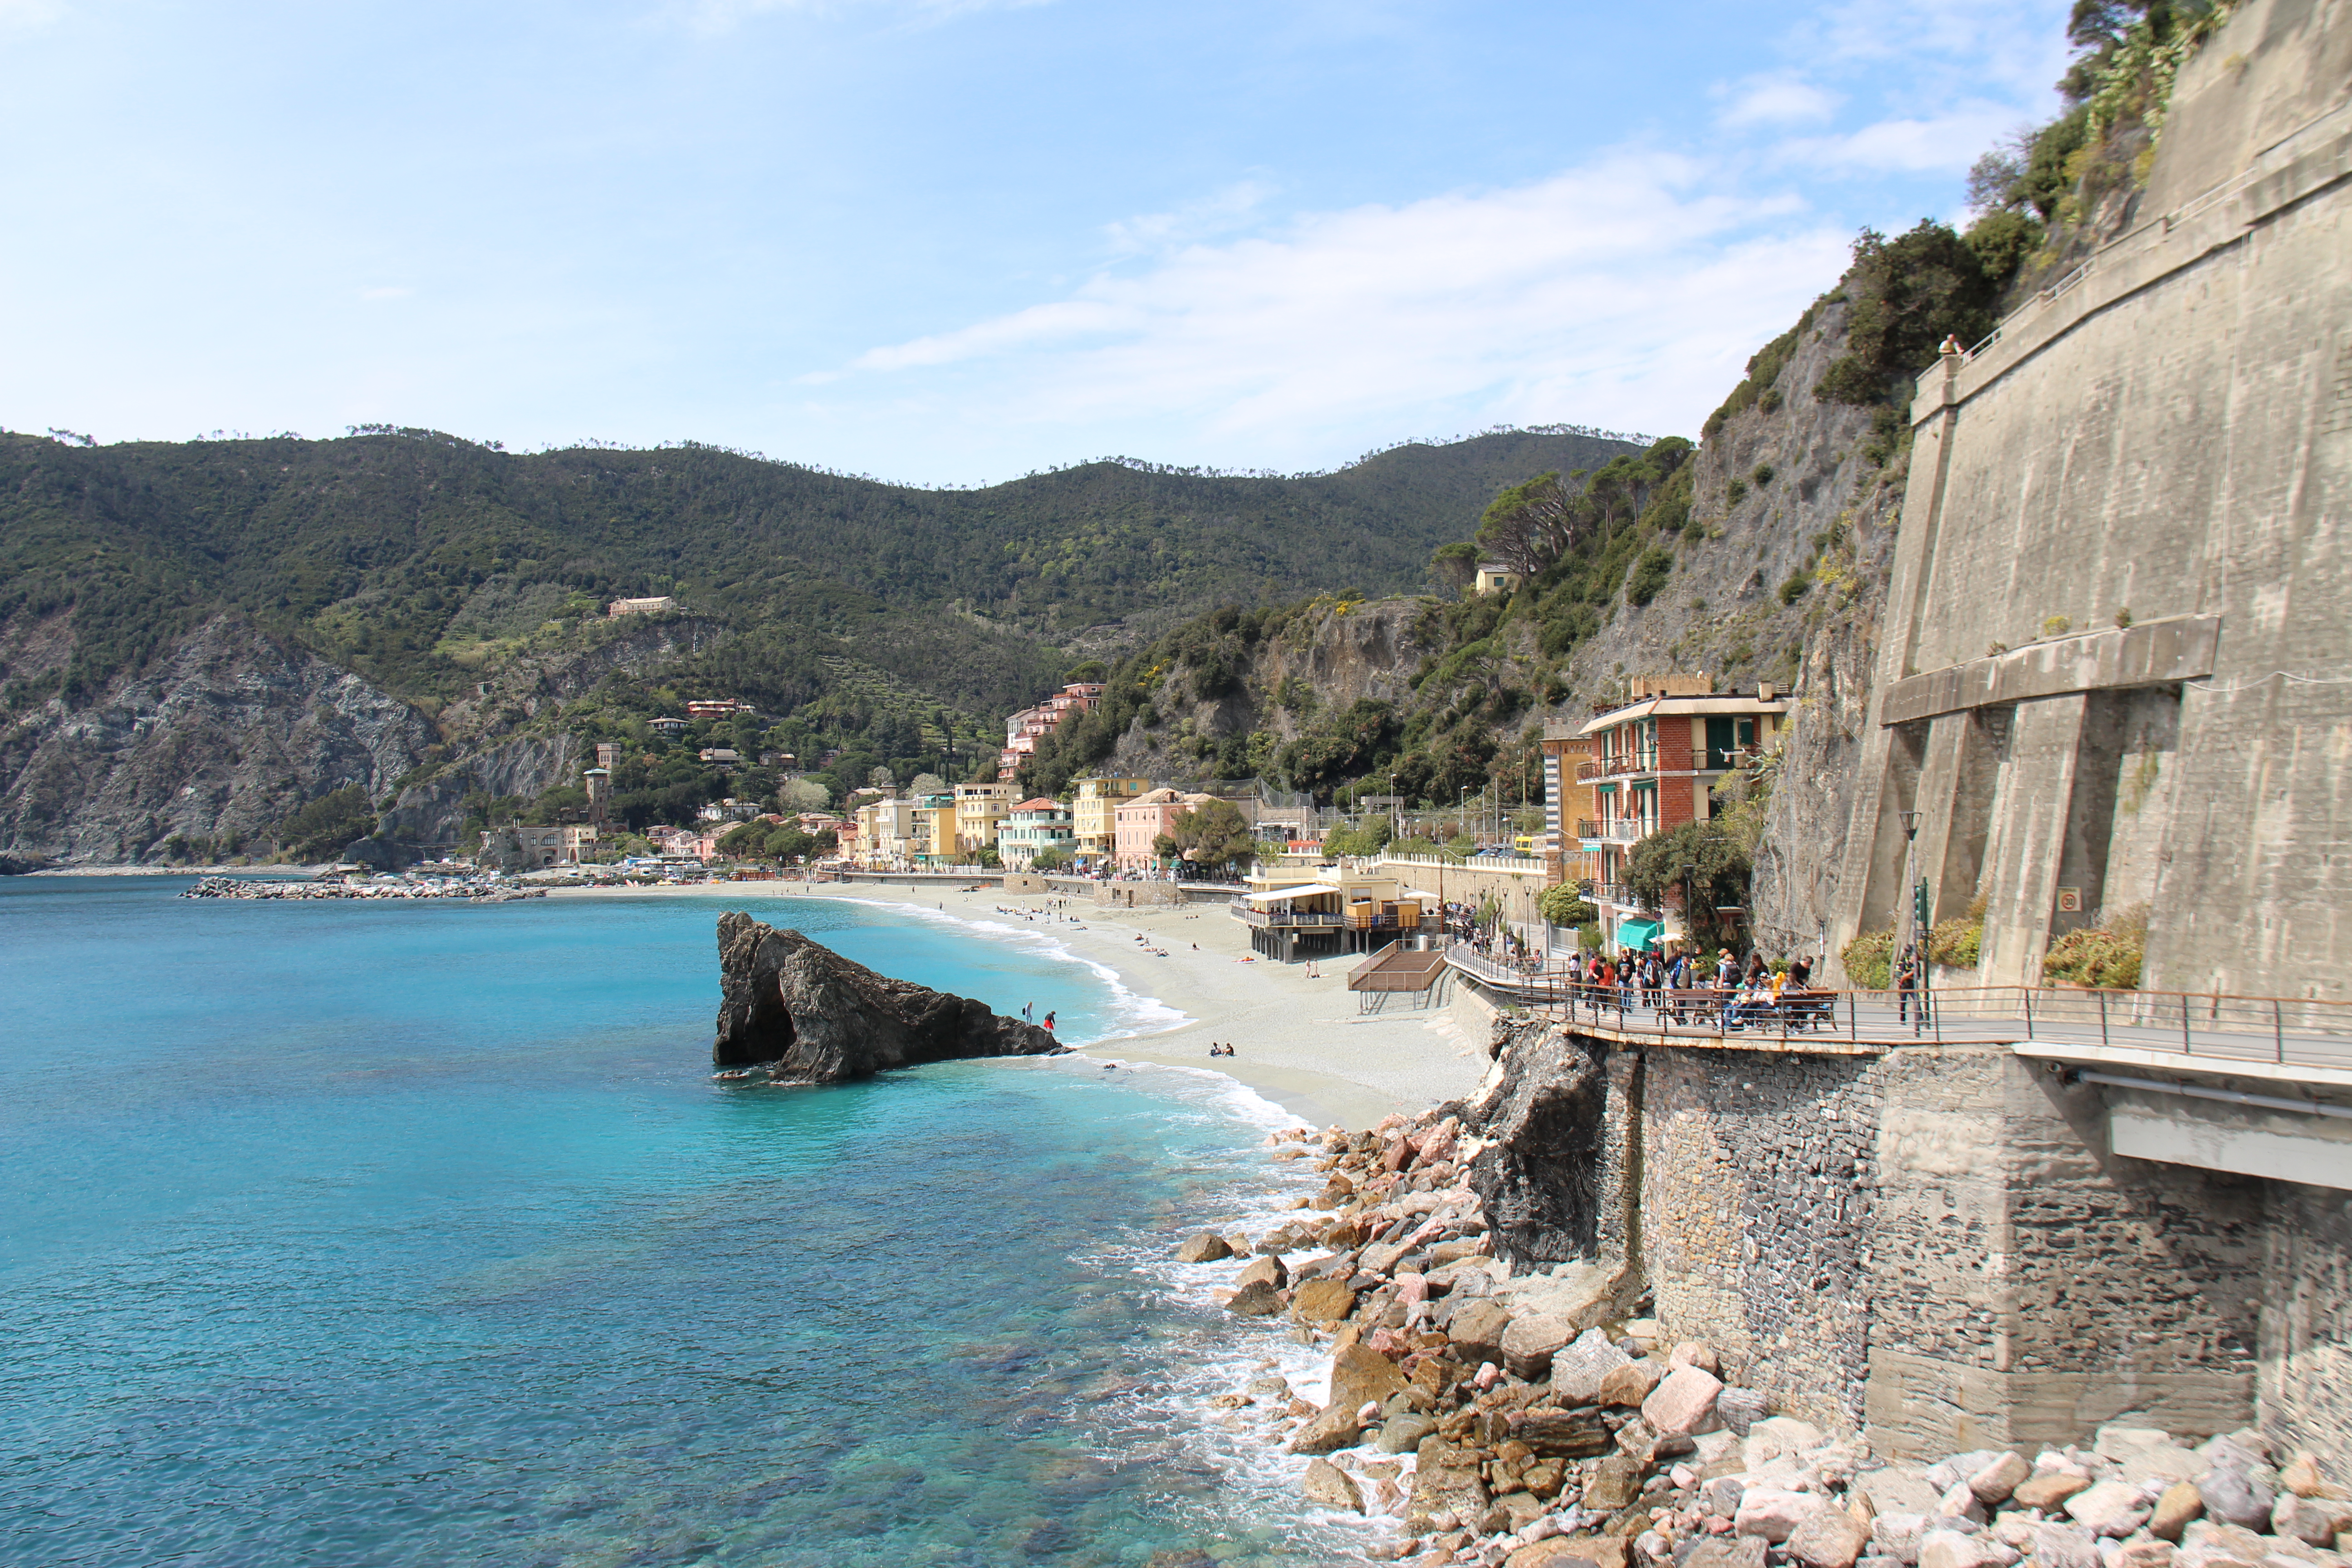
(2111, 669)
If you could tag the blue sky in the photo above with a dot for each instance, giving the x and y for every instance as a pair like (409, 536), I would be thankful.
(950, 241)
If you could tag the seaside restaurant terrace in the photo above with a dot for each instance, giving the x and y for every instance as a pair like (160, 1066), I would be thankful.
(1291, 920)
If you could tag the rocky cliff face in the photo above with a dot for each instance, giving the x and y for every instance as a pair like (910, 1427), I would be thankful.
(810, 1016)
(1341, 653)
(1794, 502)
(211, 743)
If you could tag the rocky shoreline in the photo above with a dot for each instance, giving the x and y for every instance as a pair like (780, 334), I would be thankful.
(1495, 1415)
(470, 892)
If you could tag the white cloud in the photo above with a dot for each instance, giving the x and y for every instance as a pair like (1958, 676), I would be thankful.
(1218, 213)
(1948, 141)
(1774, 100)
(1931, 49)
(712, 16)
(29, 13)
(1622, 292)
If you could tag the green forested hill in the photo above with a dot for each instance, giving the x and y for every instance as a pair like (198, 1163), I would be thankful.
(409, 555)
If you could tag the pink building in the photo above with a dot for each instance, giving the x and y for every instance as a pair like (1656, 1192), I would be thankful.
(1135, 824)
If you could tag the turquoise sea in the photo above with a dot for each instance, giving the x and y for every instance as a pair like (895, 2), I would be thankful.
(387, 1233)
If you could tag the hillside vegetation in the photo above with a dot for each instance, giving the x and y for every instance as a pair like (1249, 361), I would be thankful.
(410, 556)
(467, 585)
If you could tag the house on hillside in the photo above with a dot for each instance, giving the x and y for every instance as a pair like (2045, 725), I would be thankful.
(1495, 577)
(1024, 730)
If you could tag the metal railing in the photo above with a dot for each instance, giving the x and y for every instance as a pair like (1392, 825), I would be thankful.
(1699, 760)
(1516, 864)
(1251, 915)
(2276, 1030)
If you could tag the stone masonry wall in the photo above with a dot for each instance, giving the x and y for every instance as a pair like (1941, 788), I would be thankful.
(1936, 1245)
(1756, 1172)
(2307, 1371)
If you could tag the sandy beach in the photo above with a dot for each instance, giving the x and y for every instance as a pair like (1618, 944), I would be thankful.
(1298, 1042)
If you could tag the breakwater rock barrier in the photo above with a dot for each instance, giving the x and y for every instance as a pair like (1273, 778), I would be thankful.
(471, 892)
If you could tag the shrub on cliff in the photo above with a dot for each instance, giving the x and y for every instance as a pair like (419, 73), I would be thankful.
(1869, 961)
(2108, 956)
(1957, 943)
(1909, 293)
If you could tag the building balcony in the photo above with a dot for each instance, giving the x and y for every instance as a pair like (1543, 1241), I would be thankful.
(1634, 764)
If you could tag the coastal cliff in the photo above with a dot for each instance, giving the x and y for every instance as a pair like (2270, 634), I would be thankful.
(810, 1016)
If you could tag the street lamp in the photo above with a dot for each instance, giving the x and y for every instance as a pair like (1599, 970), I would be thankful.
(1922, 911)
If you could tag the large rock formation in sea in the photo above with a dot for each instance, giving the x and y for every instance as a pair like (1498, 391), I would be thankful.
(812, 1016)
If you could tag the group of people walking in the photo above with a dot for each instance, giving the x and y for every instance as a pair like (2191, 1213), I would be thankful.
(1632, 978)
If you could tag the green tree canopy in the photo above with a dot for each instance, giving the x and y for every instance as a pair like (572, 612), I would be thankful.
(1454, 567)
(326, 825)
(1714, 858)
(1563, 905)
(1530, 526)
(1213, 834)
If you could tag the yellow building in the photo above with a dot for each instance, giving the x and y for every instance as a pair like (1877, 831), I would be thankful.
(979, 812)
(1093, 815)
(935, 828)
(885, 833)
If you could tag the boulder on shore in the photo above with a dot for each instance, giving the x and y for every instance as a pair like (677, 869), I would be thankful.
(813, 1017)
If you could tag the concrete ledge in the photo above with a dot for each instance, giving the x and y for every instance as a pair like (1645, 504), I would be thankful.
(2209, 1138)
(2180, 648)
(2185, 1062)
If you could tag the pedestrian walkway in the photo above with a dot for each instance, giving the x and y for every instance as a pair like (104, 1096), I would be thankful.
(2276, 1030)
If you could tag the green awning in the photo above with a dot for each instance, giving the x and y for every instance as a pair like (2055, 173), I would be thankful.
(1640, 934)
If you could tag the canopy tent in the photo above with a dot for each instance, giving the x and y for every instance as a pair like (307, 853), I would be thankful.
(1286, 894)
(1640, 934)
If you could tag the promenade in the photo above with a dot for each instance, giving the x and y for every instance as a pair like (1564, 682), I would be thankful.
(2264, 1031)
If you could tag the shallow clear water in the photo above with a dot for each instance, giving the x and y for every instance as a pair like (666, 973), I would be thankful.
(373, 1234)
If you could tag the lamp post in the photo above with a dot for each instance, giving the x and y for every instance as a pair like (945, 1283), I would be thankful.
(1920, 909)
